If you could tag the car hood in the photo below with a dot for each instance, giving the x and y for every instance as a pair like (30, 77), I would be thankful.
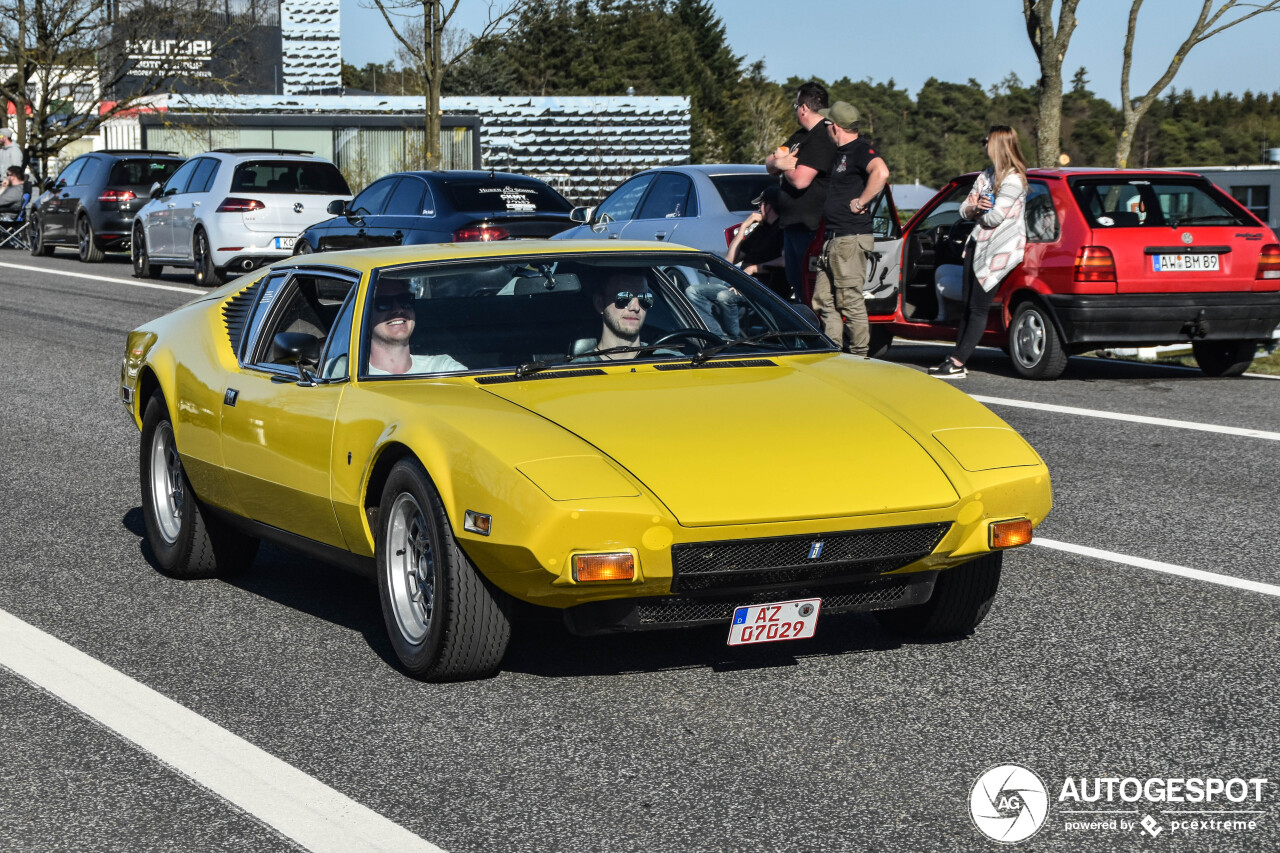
(737, 445)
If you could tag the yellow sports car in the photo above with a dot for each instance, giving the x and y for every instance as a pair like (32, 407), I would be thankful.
(635, 434)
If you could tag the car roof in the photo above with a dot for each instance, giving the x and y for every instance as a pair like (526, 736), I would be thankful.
(1099, 171)
(260, 154)
(467, 174)
(713, 169)
(365, 260)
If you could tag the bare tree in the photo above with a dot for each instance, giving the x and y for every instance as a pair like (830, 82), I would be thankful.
(70, 66)
(1207, 25)
(1050, 46)
(428, 50)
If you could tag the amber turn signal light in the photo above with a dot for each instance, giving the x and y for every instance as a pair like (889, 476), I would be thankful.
(1009, 534)
(603, 567)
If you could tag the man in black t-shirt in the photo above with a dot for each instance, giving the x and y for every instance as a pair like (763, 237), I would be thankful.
(802, 163)
(857, 175)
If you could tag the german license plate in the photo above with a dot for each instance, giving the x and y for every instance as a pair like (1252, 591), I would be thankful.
(285, 242)
(769, 623)
(1184, 263)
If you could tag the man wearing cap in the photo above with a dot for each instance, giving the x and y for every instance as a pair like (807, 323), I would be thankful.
(757, 245)
(802, 162)
(10, 153)
(857, 175)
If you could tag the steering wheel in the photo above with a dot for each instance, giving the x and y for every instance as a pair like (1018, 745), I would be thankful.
(687, 334)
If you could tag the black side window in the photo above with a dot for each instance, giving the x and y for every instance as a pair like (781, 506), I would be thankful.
(407, 198)
(178, 183)
(1041, 218)
(373, 199)
(202, 179)
(622, 204)
(669, 197)
(71, 174)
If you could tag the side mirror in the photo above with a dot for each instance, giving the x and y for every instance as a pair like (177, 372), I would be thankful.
(295, 348)
(337, 207)
(47, 184)
(581, 215)
(156, 189)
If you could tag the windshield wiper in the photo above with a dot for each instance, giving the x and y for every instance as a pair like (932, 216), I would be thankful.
(751, 340)
(531, 367)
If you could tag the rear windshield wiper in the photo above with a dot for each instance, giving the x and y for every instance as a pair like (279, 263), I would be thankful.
(752, 340)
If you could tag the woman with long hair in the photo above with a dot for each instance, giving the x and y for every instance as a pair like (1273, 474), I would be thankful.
(999, 238)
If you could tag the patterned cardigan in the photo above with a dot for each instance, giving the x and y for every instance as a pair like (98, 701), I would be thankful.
(1001, 236)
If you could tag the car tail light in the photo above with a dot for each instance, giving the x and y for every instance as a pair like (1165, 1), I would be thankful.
(485, 233)
(1010, 534)
(1095, 263)
(117, 195)
(730, 233)
(240, 205)
(1269, 262)
(603, 567)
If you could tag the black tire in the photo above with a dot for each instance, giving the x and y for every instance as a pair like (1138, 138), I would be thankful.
(961, 598)
(881, 340)
(142, 266)
(87, 242)
(39, 247)
(207, 275)
(1224, 358)
(187, 541)
(1035, 346)
(446, 622)
(302, 247)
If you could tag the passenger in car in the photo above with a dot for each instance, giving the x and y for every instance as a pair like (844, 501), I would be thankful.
(394, 318)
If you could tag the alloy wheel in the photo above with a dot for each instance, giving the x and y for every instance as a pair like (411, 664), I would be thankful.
(410, 568)
(168, 495)
(1029, 339)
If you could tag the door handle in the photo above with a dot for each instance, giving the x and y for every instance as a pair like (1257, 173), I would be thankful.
(613, 236)
(195, 204)
(660, 235)
(398, 236)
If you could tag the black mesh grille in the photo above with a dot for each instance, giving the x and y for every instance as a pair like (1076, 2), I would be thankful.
(752, 362)
(558, 374)
(236, 312)
(824, 558)
(864, 595)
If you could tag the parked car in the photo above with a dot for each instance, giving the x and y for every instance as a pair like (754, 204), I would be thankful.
(697, 206)
(231, 210)
(90, 205)
(410, 208)
(516, 459)
(1114, 258)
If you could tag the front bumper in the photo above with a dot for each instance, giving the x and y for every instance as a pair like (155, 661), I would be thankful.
(1164, 318)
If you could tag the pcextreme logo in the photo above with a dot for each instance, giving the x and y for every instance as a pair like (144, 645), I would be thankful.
(1010, 803)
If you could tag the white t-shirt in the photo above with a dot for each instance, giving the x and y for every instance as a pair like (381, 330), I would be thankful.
(424, 364)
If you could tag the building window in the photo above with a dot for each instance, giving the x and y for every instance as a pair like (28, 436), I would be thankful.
(1257, 199)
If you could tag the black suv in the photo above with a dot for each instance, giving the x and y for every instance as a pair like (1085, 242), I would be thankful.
(90, 205)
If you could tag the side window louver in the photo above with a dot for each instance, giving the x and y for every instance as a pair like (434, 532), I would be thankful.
(236, 312)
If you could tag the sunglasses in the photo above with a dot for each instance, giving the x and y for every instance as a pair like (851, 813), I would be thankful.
(623, 299)
(398, 300)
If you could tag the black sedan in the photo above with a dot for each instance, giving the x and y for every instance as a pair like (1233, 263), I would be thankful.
(408, 208)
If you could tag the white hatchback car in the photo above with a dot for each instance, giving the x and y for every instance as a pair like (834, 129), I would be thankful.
(231, 210)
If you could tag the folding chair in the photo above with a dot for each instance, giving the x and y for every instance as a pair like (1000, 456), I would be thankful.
(15, 231)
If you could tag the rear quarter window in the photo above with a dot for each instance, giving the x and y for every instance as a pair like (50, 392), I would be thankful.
(484, 196)
(737, 191)
(142, 173)
(289, 177)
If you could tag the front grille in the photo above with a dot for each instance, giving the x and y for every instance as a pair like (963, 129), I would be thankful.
(880, 594)
(787, 561)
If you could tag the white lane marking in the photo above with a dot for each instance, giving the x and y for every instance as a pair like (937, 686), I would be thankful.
(1156, 566)
(1120, 416)
(1100, 358)
(299, 807)
(92, 277)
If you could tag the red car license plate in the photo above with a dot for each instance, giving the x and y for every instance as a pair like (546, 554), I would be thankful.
(769, 623)
(1184, 263)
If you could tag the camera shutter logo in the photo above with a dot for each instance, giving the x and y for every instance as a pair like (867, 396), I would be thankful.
(1008, 803)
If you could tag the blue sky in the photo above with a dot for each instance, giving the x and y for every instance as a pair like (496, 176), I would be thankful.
(912, 40)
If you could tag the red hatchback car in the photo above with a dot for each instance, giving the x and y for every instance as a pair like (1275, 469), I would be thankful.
(1113, 258)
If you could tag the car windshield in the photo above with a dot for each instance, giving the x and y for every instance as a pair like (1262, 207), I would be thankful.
(289, 177)
(737, 191)
(1155, 202)
(142, 173)
(504, 195)
(530, 314)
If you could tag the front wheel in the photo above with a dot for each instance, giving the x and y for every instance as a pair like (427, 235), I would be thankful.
(444, 619)
(1224, 358)
(187, 542)
(39, 246)
(1034, 343)
(87, 243)
(142, 265)
(961, 598)
(207, 275)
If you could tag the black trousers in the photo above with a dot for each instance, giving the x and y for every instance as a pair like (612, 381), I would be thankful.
(977, 307)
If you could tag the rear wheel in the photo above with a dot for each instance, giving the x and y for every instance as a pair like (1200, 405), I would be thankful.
(39, 247)
(187, 541)
(445, 621)
(881, 340)
(142, 266)
(90, 253)
(207, 275)
(961, 598)
(302, 247)
(1034, 343)
(1224, 358)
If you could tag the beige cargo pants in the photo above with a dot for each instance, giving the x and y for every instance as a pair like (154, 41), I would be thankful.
(837, 293)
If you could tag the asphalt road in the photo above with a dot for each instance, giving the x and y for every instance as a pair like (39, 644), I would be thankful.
(1085, 668)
